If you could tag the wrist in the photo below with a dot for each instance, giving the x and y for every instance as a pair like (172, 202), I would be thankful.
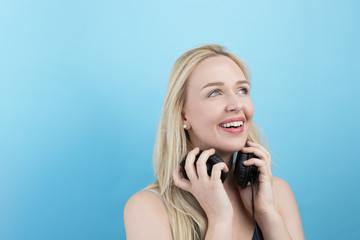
(219, 229)
(219, 214)
(220, 225)
(272, 225)
(220, 218)
(267, 218)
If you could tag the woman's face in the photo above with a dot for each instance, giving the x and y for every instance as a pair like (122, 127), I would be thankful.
(218, 109)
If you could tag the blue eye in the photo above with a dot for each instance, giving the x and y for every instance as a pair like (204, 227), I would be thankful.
(243, 91)
(214, 93)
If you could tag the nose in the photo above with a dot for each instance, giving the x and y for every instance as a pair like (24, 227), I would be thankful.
(233, 103)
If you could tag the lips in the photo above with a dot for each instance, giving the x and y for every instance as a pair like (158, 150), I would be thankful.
(230, 120)
(233, 125)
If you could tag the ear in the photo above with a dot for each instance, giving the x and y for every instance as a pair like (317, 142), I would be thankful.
(185, 121)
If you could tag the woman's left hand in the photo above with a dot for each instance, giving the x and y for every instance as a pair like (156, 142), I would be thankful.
(263, 190)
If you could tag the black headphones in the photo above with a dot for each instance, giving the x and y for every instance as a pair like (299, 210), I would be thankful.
(242, 174)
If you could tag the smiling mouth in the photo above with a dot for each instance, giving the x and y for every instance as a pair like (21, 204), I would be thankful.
(235, 124)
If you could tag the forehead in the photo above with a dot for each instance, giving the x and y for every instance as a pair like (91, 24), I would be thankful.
(215, 69)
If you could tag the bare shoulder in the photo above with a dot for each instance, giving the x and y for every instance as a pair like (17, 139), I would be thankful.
(288, 208)
(144, 200)
(146, 217)
(281, 187)
(283, 194)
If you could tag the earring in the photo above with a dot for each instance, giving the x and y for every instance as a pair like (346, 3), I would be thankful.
(185, 126)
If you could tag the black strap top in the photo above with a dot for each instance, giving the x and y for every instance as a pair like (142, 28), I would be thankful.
(259, 232)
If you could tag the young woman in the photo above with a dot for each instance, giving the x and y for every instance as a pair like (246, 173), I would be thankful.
(208, 107)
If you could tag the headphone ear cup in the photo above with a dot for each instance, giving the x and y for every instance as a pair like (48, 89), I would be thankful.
(241, 171)
(212, 160)
(243, 174)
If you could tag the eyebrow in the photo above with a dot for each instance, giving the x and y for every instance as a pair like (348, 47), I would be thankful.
(222, 84)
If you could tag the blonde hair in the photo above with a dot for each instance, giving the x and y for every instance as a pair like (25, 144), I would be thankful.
(187, 218)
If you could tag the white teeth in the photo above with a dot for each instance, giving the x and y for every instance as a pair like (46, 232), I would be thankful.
(233, 124)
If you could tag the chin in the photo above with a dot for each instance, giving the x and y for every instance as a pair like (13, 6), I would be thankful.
(230, 149)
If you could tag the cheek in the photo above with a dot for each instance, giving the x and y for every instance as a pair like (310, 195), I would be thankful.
(202, 118)
(249, 109)
(193, 113)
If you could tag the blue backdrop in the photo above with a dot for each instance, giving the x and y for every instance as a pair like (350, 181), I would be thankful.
(81, 90)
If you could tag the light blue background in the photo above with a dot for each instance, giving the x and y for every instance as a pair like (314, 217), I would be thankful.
(81, 90)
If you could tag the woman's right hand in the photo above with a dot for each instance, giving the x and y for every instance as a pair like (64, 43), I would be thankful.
(209, 191)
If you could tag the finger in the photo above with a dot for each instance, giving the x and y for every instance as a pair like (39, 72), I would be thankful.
(189, 164)
(255, 161)
(262, 166)
(267, 154)
(217, 169)
(254, 144)
(258, 152)
(179, 181)
(201, 163)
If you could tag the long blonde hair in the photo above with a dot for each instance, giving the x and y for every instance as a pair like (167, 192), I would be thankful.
(187, 218)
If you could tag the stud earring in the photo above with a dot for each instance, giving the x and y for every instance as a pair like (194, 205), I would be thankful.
(185, 126)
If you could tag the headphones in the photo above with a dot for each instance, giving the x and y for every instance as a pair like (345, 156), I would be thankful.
(242, 174)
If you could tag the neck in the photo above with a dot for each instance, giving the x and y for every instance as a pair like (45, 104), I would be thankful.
(227, 158)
